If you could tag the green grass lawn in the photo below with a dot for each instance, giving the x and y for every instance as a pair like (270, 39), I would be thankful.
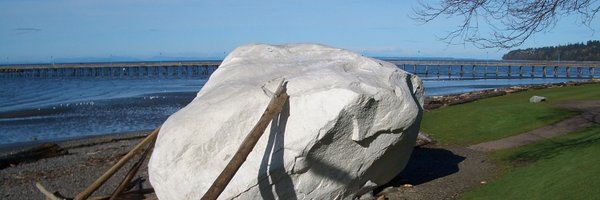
(500, 117)
(565, 167)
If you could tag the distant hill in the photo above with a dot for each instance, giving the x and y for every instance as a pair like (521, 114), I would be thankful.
(131, 59)
(577, 52)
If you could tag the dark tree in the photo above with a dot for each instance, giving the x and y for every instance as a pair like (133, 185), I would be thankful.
(589, 51)
(511, 22)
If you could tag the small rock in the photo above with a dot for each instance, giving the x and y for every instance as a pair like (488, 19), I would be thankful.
(537, 99)
(423, 139)
(407, 186)
(367, 196)
(389, 191)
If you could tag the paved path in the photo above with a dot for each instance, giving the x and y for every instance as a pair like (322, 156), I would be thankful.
(589, 117)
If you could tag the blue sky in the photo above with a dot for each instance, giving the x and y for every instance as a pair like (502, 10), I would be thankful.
(36, 30)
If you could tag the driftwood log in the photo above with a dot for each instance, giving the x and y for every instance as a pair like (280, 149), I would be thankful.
(433, 103)
(148, 141)
(275, 106)
(132, 172)
(96, 184)
(47, 194)
(46, 150)
(476, 97)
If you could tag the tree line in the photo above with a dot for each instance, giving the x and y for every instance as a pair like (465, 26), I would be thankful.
(589, 51)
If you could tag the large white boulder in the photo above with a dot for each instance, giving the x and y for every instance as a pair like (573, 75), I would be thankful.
(349, 125)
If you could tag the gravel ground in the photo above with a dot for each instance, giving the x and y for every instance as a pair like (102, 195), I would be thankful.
(439, 172)
(433, 172)
(87, 160)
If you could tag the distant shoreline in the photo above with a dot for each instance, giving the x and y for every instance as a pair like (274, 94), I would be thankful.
(111, 64)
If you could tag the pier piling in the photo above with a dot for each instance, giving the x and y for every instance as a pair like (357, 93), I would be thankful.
(544, 71)
(497, 71)
(415, 68)
(520, 71)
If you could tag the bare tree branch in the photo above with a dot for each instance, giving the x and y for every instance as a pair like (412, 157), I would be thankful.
(512, 22)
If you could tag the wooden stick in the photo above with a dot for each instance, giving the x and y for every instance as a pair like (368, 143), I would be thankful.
(46, 193)
(96, 184)
(275, 105)
(132, 172)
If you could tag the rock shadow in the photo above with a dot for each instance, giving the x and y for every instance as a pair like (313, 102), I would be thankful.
(273, 181)
(427, 164)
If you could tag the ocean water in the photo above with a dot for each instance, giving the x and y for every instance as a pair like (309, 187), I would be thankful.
(49, 109)
(58, 109)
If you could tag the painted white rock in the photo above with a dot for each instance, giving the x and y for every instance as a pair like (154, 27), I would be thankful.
(349, 125)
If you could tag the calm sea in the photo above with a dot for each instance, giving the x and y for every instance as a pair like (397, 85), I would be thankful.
(47, 109)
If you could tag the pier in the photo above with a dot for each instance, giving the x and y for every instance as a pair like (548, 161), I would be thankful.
(190, 69)
(502, 69)
(112, 70)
